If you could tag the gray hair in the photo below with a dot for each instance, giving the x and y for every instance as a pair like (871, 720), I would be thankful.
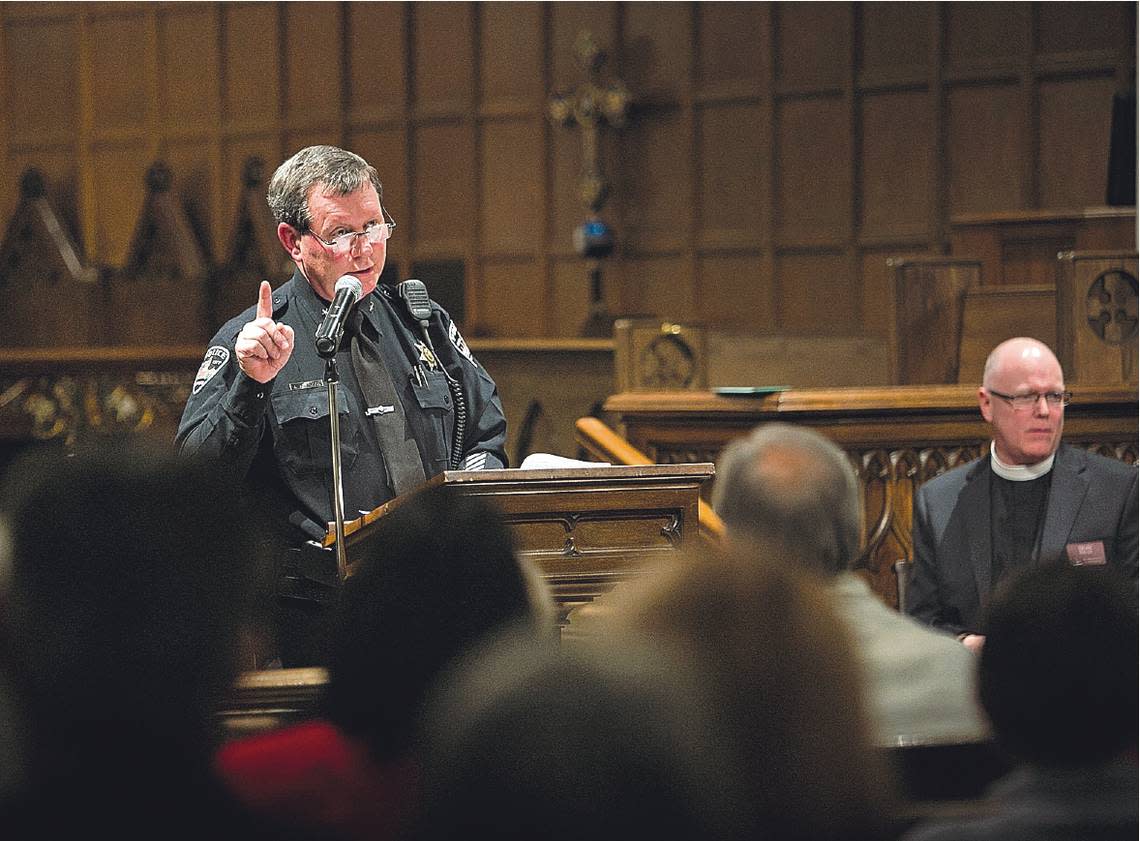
(340, 172)
(791, 485)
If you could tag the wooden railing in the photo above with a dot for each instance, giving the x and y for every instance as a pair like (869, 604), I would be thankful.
(606, 445)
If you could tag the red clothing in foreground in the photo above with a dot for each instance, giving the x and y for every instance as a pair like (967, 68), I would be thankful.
(316, 775)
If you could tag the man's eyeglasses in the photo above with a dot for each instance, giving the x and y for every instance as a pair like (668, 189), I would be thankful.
(1024, 402)
(341, 244)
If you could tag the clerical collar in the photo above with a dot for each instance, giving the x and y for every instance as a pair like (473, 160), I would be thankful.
(1019, 472)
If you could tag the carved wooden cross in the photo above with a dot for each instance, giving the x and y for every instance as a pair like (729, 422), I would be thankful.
(591, 105)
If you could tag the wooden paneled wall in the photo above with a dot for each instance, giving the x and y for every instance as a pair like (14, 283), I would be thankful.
(779, 153)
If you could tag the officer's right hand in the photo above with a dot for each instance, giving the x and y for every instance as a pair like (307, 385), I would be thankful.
(263, 346)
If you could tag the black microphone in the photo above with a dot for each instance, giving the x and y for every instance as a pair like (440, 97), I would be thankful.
(347, 292)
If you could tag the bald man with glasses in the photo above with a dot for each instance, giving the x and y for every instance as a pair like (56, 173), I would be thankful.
(1032, 501)
(412, 399)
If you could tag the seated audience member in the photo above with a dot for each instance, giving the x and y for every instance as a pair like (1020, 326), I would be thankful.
(1031, 500)
(790, 487)
(529, 742)
(1059, 682)
(131, 577)
(777, 670)
(443, 575)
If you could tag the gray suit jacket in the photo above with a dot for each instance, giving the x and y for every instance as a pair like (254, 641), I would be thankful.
(1091, 498)
(920, 685)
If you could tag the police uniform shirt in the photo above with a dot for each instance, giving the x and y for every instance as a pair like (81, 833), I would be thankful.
(277, 434)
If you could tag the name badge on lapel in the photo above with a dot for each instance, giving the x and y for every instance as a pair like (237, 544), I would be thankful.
(1086, 554)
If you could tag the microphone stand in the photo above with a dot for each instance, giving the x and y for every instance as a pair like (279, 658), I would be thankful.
(332, 377)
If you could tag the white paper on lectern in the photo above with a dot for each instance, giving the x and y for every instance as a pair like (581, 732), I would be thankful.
(549, 461)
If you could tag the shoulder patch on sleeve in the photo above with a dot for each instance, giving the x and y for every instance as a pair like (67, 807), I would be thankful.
(460, 345)
(216, 358)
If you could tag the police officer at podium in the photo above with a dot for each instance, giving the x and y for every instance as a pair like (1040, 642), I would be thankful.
(413, 400)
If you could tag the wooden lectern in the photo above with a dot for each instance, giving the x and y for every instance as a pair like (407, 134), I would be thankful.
(586, 528)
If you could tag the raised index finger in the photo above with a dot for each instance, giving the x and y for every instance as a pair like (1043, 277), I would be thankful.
(265, 300)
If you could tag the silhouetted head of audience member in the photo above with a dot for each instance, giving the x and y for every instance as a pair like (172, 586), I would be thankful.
(791, 486)
(1058, 674)
(443, 574)
(776, 663)
(132, 577)
(526, 741)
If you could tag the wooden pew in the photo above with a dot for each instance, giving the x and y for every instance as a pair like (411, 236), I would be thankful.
(1097, 316)
(166, 269)
(929, 296)
(50, 294)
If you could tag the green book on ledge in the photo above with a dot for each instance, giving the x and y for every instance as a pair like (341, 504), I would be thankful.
(748, 390)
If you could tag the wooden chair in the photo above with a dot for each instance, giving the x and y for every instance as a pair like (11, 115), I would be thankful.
(929, 296)
(167, 260)
(657, 354)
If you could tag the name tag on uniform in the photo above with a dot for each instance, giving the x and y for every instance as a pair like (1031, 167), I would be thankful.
(1086, 554)
(307, 384)
(379, 410)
